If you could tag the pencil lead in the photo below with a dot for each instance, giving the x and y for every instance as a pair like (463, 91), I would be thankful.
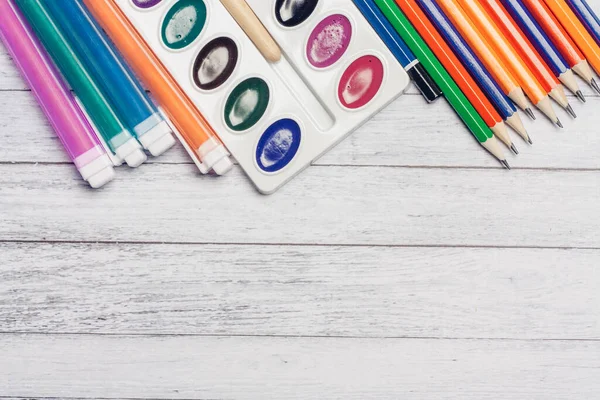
(529, 139)
(560, 125)
(580, 96)
(514, 149)
(530, 113)
(571, 112)
(595, 85)
(505, 164)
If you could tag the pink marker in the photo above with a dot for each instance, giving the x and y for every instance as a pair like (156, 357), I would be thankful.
(57, 102)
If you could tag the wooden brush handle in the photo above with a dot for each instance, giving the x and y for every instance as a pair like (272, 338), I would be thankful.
(245, 17)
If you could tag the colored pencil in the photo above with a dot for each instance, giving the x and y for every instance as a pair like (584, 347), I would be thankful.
(543, 45)
(394, 42)
(196, 135)
(587, 17)
(508, 29)
(509, 57)
(452, 93)
(577, 31)
(561, 40)
(500, 101)
(456, 70)
(110, 73)
(116, 136)
(486, 53)
(57, 102)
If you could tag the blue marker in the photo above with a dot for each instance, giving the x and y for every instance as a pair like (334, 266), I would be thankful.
(588, 17)
(423, 81)
(471, 62)
(114, 78)
(543, 44)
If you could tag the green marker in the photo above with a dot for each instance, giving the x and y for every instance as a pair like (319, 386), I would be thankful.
(452, 92)
(118, 139)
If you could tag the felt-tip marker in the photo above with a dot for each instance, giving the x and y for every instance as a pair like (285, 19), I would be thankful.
(55, 99)
(111, 74)
(420, 77)
(116, 136)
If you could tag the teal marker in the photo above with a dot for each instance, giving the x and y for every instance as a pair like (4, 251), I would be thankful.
(111, 75)
(116, 136)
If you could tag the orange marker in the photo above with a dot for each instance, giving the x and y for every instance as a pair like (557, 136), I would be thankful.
(577, 31)
(527, 52)
(196, 134)
(505, 80)
(486, 26)
(454, 67)
(561, 40)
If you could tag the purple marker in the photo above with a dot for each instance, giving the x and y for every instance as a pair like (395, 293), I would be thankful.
(57, 102)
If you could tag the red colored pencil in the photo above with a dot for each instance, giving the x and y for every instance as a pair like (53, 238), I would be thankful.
(528, 53)
(456, 70)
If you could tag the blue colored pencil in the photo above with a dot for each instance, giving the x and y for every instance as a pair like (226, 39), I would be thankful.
(588, 17)
(471, 62)
(543, 44)
(110, 73)
(421, 78)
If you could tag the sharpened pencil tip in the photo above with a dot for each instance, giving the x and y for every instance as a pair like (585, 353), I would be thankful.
(513, 148)
(530, 113)
(529, 139)
(505, 164)
(560, 125)
(571, 112)
(595, 85)
(580, 96)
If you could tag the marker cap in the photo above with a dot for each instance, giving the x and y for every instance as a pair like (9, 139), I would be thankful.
(158, 139)
(425, 83)
(131, 151)
(218, 160)
(98, 172)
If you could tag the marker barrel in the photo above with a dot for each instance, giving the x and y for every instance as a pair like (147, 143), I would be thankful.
(111, 74)
(55, 99)
(196, 135)
(118, 139)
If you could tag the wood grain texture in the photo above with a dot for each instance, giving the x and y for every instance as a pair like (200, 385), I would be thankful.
(298, 368)
(300, 291)
(325, 205)
(407, 133)
(405, 264)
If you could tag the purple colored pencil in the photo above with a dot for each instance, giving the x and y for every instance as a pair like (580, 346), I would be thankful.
(60, 107)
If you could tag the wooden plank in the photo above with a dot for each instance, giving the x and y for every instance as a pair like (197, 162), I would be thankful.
(300, 291)
(297, 368)
(402, 135)
(325, 205)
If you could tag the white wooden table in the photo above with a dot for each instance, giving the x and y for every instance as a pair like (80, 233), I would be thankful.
(390, 269)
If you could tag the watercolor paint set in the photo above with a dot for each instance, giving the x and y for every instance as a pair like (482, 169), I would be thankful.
(275, 116)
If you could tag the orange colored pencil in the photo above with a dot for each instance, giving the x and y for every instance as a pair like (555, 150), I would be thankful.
(198, 136)
(506, 81)
(561, 40)
(528, 53)
(456, 70)
(577, 31)
(487, 27)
